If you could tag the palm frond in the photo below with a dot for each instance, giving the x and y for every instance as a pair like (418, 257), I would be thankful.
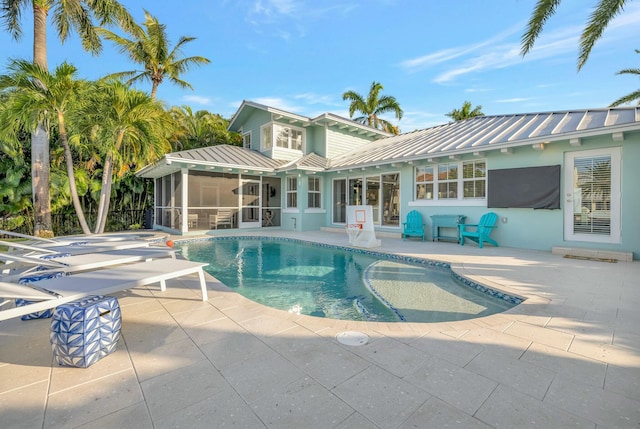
(600, 18)
(543, 10)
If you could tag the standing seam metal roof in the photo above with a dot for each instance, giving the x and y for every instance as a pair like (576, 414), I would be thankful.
(471, 135)
(490, 132)
(229, 156)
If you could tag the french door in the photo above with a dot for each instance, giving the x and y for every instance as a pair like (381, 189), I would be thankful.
(249, 203)
(592, 196)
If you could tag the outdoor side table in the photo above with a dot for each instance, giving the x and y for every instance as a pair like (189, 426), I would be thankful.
(85, 331)
(448, 222)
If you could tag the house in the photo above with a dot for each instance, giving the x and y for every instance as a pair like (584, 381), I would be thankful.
(556, 179)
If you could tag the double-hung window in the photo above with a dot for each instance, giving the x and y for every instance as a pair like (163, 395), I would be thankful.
(448, 181)
(424, 182)
(292, 192)
(246, 140)
(315, 196)
(474, 182)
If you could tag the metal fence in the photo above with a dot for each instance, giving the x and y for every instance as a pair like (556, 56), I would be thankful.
(67, 224)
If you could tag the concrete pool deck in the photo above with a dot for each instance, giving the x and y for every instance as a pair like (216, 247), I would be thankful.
(569, 356)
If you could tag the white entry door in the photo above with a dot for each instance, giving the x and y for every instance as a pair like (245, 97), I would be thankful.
(249, 204)
(592, 196)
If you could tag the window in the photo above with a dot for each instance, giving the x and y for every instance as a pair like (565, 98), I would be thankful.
(474, 175)
(246, 140)
(424, 183)
(292, 192)
(267, 139)
(444, 181)
(315, 196)
(448, 181)
(284, 137)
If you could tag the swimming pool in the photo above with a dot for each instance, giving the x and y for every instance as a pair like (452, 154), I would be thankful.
(341, 283)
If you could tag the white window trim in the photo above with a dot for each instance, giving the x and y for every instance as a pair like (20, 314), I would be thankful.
(319, 191)
(248, 133)
(274, 145)
(262, 146)
(616, 194)
(287, 191)
(460, 200)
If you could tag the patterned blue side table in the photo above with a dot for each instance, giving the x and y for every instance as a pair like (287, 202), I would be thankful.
(85, 331)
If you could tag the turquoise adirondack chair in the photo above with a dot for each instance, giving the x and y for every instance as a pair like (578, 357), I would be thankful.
(413, 226)
(483, 229)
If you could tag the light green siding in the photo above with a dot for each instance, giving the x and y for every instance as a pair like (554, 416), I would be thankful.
(339, 143)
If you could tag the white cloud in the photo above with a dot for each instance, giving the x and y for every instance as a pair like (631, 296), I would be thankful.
(278, 103)
(265, 15)
(500, 51)
(513, 100)
(196, 99)
(312, 98)
(503, 50)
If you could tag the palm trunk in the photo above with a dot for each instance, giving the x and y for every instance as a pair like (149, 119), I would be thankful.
(105, 194)
(104, 197)
(40, 165)
(154, 89)
(72, 178)
(40, 172)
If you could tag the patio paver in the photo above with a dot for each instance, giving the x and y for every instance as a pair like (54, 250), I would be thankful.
(568, 357)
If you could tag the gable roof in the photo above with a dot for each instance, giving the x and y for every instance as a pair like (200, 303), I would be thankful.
(310, 162)
(326, 119)
(490, 133)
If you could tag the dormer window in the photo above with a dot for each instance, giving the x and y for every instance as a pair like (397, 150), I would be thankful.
(246, 140)
(285, 137)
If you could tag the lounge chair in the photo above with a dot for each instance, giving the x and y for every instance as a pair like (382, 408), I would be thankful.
(22, 266)
(74, 249)
(482, 230)
(73, 238)
(414, 225)
(52, 292)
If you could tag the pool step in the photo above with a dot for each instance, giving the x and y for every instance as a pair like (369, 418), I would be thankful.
(592, 253)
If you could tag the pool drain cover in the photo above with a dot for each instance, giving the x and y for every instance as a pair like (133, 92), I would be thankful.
(352, 338)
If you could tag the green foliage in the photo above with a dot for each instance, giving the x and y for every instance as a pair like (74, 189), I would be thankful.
(15, 185)
(465, 112)
(633, 96)
(201, 129)
(374, 106)
(149, 47)
(600, 18)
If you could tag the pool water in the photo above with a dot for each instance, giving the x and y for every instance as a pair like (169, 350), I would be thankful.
(337, 283)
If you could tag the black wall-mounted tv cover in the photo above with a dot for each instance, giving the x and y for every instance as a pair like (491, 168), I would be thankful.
(529, 187)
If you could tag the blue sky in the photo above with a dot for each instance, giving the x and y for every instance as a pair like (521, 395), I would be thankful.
(432, 55)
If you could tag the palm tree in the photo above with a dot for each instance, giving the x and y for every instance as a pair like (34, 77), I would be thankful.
(68, 16)
(373, 107)
(635, 95)
(130, 129)
(465, 112)
(151, 50)
(605, 11)
(40, 98)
